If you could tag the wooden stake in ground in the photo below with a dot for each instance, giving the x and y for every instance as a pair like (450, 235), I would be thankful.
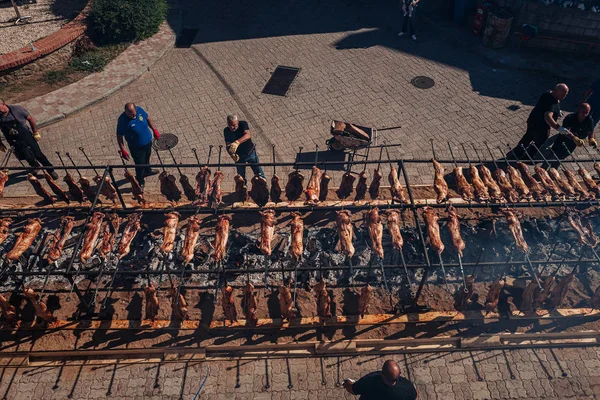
(19, 18)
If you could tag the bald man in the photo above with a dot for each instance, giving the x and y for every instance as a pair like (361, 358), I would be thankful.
(384, 385)
(542, 118)
(136, 127)
(579, 126)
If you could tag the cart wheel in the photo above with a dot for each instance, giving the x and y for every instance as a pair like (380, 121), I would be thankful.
(334, 145)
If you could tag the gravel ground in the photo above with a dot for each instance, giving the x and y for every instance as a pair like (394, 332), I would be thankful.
(47, 16)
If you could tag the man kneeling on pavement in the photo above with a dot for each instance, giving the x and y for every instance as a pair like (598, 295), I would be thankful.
(575, 129)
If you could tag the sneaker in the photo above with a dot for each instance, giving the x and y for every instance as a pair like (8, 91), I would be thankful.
(54, 175)
(414, 37)
(152, 172)
(38, 173)
(401, 34)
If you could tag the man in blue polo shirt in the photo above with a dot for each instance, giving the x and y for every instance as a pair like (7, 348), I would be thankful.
(137, 129)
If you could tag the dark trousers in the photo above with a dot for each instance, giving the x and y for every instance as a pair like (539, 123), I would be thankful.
(537, 136)
(252, 160)
(407, 24)
(141, 155)
(29, 150)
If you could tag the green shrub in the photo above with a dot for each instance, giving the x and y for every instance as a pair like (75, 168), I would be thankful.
(52, 77)
(115, 21)
(92, 61)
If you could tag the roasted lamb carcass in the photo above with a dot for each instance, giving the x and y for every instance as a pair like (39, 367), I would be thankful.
(192, 231)
(41, 310)
(39, 189)
(168, 187)
(346, 186)
(582, 192)
(151, 299)
(534, 186)
(313, 189)
(132, 227)
(564, 185)
(492, 187)
(59, 238)
(375, 228)
(439, 183)
(297, 226)
(323, 300)
(203, 184)
(398, 192)
(250, 303)
(88, 190)
(286, 301)
(515, 229)
(275, 192)
(267, 230)
(454, 229)
(8, 310)
(361, 187)
(463, 187)
(518, 183)
(493, 296)
(594, 301)
(433, 229)
(60, 194)
(221, 237)
(345, 233)
(375, 184)
(228, 305)
(464, 297)
(364, 299)
(92, 232)
(527, 296)
(294, 187)
(540, 296)
(324, 189)
(589, 182)
(25, 239)
(597, 168)
(558, 294)
(3, 180)
(109, 234)
(136, 189)
(394, 229)
(241, 189)
(215, 195)
(259, 192)
(74, 190)
(510, 194)
(169, 232)
(4, 228)
(548, 183)
(178, 304)
(481, 190)
(585, 233)
(108, 190)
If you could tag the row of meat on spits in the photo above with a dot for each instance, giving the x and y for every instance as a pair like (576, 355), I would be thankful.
(519, 184)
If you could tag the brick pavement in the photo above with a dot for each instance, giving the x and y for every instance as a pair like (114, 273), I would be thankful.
(572, 373)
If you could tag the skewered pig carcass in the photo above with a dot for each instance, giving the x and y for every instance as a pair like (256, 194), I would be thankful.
(324, 188)
(492, 187)
(493, 296)
(597, 168)
(152, 305)
(25, 239)
(131, 229)
(346, 186)
(250, 303)
(39, 189)
(561, 182)
(221, 237)
(293, 189)
(558, 294)
(169, 232)
(108, 190)
(375, 228)
(534, 186)
(3, 180)
(74, 190)
(313, 189)
(275, 193)
(323, 300)
(345, 233)
(361, 187)
(589, 182)
(297, 226)
(393, 218)
(60, 194)
(267, 230)
(87, 189)
(188, 189)
(580, 190)
(8, 310)
(527, 296)
(518, 183)
(286, 301)
(229, 309)
(136, 189)
(510, 194)
(548, 183)
(454, 229)
(92, 231)
(241, 190)
(192, 232)
(178, 304)
(439, 183)
(41, 310)
(375, 184)
(111, 229)
(464, 297)
(203, 184)
(398, 192)
(481, 190)
(59, 238)
(4, 228)
(515, 229)
(463, 187)
(433, 230)
(168, 187)
(259, 192)
(540, 296)
(215, 195)
(586, 233)
(364, 299)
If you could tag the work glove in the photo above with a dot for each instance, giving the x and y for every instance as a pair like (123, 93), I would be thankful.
(124, 154)
(2, 147)
(563, 130)
(156, 134)
(232, 153)
(578, 142)
(37, 136)
(234, 146)
(592, 142)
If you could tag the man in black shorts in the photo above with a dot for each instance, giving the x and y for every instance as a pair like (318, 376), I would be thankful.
(240, 146)
(384, 385)
(579, 126)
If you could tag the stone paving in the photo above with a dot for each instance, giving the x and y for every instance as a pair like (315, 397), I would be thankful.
(572, 373)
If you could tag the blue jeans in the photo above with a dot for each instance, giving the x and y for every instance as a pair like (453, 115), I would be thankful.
(252, 160)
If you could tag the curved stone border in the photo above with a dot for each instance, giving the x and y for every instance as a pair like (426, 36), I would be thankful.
(94, 88)
(46, 45)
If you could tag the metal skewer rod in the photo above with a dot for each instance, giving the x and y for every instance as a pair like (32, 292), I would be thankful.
(572, 156)
(452, 155)
(175, 161)
(217, 282)
(385, 282)
(317, 154)
(433, 149)
(196, 155)
(89, 161)
(408, 280)
(55, 264)
(160, 160)
(462, 272)
(73, 162)
(274, 167)
(219, 158)
(537, 280)
(295, 282)
(491, 155)
(298, 156)
(443, 271)
(367, 158)
(108, 256)
(466, 154)
(379, 161)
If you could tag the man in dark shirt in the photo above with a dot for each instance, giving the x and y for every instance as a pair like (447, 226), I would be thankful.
(592, 97)
(21, 132)
(579, 126)
(384, 385)
(544, 116)
(240, 146)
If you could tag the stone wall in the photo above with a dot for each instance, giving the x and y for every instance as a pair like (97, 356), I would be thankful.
(54, 61)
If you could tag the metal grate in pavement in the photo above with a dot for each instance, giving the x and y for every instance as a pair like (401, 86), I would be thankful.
(281, 80)
(166, 141)
(186, 38)
(423, 82)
